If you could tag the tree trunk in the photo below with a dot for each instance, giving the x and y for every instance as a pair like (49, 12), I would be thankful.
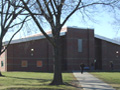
(57, 79)
(1, 74)
(0, 54)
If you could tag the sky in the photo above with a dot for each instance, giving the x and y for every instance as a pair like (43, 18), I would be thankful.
(103, 26)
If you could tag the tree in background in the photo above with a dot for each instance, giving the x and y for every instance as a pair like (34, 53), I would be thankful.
(56, 13)
(9, 12)
(116, 22)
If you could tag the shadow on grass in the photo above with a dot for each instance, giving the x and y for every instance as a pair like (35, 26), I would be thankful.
(67, 84)
(41, 82)
(3, 76)
(34, 89)
(30, 81)
(45, 80)
(73, 84)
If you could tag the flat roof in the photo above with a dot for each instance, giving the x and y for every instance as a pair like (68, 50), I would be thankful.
(32, 37)
(63, 32)
(107, 39)
(76, 27)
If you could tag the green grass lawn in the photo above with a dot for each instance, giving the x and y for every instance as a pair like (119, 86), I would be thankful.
(112, 78)
(34, 81)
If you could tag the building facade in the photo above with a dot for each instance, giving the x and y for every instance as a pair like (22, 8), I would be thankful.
(35, 53)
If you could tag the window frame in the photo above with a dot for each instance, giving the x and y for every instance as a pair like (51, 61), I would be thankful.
(80, 45)
(2, 64)
(39, 62)
(24, 63)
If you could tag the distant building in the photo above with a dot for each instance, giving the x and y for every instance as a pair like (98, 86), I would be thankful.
(79, 45)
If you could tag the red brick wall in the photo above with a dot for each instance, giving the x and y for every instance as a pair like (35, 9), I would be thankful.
(22, 52)
(10, 57)
(74, 58)
(43, 51)
(105, 53)
(109, 54)
(3, 59)
(92, 49)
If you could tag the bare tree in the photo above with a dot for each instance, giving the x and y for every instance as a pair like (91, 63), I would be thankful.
(116, 21)
(56, 13)
(9, 11)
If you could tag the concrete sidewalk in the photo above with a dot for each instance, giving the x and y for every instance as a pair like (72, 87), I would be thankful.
(89, 82)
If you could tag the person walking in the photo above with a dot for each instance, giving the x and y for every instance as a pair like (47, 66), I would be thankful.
(82, 67)
(92, 66)
(111, 65)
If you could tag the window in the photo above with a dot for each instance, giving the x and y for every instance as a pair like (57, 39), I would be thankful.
(79, 45)
(24, 63)
(39, 63)
(2, 64)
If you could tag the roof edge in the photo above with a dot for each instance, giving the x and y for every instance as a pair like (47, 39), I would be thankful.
(30, 39)
(106, 39)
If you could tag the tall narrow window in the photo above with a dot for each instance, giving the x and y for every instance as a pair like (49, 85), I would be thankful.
(79, 45)
(2, 64)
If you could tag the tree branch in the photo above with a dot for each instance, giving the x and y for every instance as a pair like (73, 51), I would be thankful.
(13, 18)
(7, 13)
(14, 35)
(83, 6)
(37, 23)
(53, 7)
(18, 23)
(48, 9)
(76, 8)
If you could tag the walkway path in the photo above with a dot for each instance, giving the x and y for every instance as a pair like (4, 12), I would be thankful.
(89, 82)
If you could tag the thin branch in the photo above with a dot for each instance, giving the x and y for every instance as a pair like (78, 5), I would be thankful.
(83, 6)
(55, 3)
(53, 7)
(18, 23)
(37, 23)
(48, 9)
(7, 13)
(23, 13)
(13, 18)
(2, 15)
(42, 10)
(14, 35)
(76, 8)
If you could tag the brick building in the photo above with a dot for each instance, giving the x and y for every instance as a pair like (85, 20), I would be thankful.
(35, 53)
